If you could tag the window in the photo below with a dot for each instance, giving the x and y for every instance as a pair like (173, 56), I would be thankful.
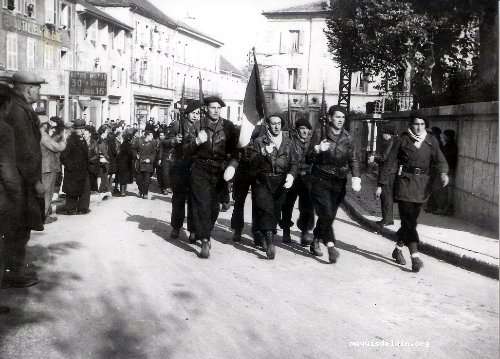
(29, 8)
(30, 53)
(64, 16)
(8, 4)
(50, 11)
(103, 34)
(48, 57)
(114, 76)
(11, 51)
(66, 59)
(293, 37)
(92, 30)
(142, 70)
(294, 78)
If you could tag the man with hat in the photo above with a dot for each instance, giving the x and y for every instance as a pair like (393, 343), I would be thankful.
(26, 126)
(10, 182)
(180, 172)
(75, 159)
(301, 187)
(385, 192)
(214, 139)
(52, 143)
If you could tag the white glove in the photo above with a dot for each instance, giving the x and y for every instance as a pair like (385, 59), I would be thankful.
(322, 147)
(202, 137)
(378, 192)
(289, 181)
(356, 184)
(103, 160)
(147, 160)
(269, 148)
(445, 179)
(229, 173)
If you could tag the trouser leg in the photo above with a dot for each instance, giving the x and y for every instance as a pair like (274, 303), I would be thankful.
(269, 196)
(288, 205)
(241, 185)
(180, 194)
(48, 181)
(84, 198)
(139, 179)
(15, 249)
(306, 207)
(204, 200)
(408, 212)
(387, 203)
(147, 182)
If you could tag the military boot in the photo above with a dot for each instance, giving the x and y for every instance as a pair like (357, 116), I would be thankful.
(315, 248)
(397, 254)
(205, 248)
(237, 235)
(286, 236)
(270, 248)
(306, 238)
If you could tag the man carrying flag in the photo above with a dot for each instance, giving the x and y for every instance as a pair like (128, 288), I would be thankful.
(254, 109)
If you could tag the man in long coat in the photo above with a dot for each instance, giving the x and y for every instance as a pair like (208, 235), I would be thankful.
(26, 126)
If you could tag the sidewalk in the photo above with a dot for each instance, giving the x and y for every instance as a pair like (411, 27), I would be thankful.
(446, 238)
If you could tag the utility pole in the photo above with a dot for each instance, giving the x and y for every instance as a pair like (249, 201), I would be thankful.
(345, 90)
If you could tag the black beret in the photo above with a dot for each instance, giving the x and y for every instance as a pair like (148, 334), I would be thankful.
(191, 106)
(338, 108)
(210, 99)
(302, 121)
(79, 124)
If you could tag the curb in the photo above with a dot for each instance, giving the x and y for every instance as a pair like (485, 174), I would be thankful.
(462, 261)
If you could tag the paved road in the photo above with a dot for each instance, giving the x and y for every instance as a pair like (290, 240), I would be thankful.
(114, 286)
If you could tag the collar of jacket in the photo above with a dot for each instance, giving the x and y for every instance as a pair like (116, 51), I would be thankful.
(334, 138)
(428, 138)
(219, 126)
(286, 138)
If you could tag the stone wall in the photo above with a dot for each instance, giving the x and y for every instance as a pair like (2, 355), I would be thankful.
(476, 181)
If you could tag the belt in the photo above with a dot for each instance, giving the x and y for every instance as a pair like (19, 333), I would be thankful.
(413, 170)
(335, 172)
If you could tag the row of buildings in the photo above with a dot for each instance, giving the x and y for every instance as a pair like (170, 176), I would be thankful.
(146, 56)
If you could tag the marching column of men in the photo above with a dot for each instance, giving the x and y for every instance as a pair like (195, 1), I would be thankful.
(279, 166)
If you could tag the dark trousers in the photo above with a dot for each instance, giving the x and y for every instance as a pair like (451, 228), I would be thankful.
(408, 213)
(93, 181)
(243, 181)
(15, 249)
(269, 197)
(387, 201)
(143, 180)
(302, 189)
(327, 195)
(164, 174)
(224, 193)
(206, 184)
(181, 195)
(80, 202)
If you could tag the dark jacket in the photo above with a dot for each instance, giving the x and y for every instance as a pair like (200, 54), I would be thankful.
(26, 126)
(301, 148)
(145, 151)
(282, 161)
(93, 155)
(409, 186)
(340, 157)
(75, 159)
(222, 142)
(10, 181)
(112, 147)
(170, 143)
(125, 162)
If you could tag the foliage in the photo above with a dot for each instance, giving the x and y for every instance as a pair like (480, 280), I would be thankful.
(436, 39)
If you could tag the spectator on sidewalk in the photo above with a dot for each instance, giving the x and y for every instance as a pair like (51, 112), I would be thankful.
(104, 162)
(75, 158)
(301, 188)
(10, 181)
(125, 162)
(413, 156)
(146, 152)
(26, 126)
(164, 163)
(332, 156)
(52, 143)
(385, 192)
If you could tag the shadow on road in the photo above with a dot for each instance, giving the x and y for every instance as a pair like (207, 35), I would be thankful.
(42, 257)
(161, 229)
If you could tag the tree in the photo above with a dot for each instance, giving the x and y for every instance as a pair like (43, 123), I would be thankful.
(412, 44)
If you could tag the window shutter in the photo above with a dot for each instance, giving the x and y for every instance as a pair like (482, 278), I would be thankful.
(301, 41)
(299, 79)
(282, 43)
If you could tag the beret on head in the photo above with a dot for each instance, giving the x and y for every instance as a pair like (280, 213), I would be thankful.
(79, 124)
(28, 78)
(336, 108)
(302, 121)
(193, 105)
(210, 99)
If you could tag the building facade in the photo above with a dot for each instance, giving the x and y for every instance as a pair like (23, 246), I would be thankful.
(232, 86)
(295, 62)
(37, 37)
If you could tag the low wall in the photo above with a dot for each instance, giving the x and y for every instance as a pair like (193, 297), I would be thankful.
(476, 181)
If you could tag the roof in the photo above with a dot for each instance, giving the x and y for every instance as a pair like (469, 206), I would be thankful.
(102, 15)
(226, 66)
(311, 8)
(147, 9)
(143, 7)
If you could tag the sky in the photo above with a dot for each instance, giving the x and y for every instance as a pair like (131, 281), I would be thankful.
(234, 22)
